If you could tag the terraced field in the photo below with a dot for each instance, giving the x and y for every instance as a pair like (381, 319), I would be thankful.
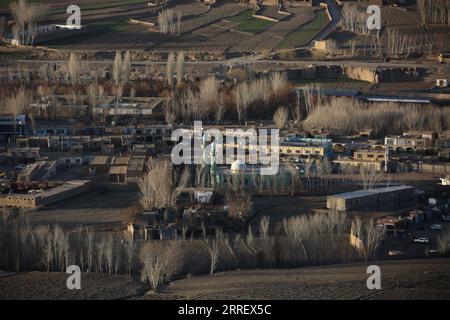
(225, 27)
(249, 24)
(226, 35)
(306, 32)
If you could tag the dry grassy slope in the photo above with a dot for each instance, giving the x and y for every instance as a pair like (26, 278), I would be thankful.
(407, 279)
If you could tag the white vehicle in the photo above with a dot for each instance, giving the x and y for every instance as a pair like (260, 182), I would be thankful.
(422, 240)
(445, 218)
(436, 227)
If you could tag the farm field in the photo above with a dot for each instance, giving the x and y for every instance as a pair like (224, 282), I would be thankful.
(223, 28)
(402, 279)
(247, 23)
(220, 36)
(305, 33)
(92, 209)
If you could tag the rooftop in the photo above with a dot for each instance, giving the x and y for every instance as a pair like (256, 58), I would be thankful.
(118, 170)
(365, 193)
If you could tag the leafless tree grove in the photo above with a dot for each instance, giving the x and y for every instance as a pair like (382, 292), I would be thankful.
(434, 11)
(26, 16)
(161, 185)
(170, 68)
(348, 116)
(167, 23)
(24, 247)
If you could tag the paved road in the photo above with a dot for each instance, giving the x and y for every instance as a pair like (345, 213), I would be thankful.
(275, 63)
(336, 16)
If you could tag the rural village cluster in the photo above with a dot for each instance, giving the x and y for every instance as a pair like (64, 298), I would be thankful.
(225, 150)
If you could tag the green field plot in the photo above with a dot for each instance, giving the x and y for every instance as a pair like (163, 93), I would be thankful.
(93, 30)
(248, 23)
(305, 33)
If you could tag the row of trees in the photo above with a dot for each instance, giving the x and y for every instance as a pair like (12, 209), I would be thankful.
(349, 116)
(121, 68)
(435, 11)
(208, 101)
(170, 22)
(24, 247)
(298, 241)
(391, 42)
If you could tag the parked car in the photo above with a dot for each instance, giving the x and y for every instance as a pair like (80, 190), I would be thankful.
(422, 240)
(436, 227)
(445, 218)
(395, 253)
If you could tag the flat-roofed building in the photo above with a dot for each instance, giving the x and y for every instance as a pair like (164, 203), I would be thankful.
(118, 174)
(100, 164)
(344, 162)
(47, 197)
(373, 199)
(120, 161)
(136, 167)
(370, 155)
(412, 141)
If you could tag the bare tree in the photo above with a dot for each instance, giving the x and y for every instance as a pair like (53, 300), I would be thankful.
(220, 111)
(279, 83)
(166, 22)
(126, 67)
(180, 67)
(370, 236)
(170, 115)
(208, 93)
(179, 17)
(264, 224)
(213, 249)
(170, 68)
(117, 67)
(92, 93)
(160, 186)
(74, 67)
(370, 177)
(444, 243)
(158, 261)
(280, 117)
